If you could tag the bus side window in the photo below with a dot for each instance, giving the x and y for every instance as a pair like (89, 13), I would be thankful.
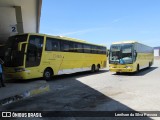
(78, 47)
(75, 47)
(87, 48)
(94, 49)
(71, 47)
(104, 50)
(52, 44)
(66, 46)
(98, 49)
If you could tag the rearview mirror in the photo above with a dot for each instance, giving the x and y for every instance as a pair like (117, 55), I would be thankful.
(20, 45)
(135, 53)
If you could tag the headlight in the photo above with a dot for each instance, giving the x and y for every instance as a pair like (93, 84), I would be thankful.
(112, 67)
(128, 67)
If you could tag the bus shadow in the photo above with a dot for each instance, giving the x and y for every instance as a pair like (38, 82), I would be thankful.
(145, 71)
(78, 74)
(20, 80)
(140, 73)
(74, 96)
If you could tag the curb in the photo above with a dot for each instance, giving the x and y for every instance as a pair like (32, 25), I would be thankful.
(26, 94)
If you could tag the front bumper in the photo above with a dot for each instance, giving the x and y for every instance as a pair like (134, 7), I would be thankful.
(16, 75)
(121, 68)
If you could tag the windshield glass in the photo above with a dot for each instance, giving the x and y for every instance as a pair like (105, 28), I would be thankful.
(13, 57)
(121, 54)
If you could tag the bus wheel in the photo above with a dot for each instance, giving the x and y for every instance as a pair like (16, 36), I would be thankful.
(117, 73)
(48, 73)
(93, 68)
(149, 64)
(98, 67)
(137, 68)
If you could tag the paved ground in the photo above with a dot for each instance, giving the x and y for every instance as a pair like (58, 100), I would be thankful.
(17, 87)
(18, 90)
(103, 91)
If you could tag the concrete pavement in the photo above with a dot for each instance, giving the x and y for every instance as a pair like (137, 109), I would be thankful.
(18, 90)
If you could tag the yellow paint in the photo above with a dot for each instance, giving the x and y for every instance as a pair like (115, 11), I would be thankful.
(39, 90)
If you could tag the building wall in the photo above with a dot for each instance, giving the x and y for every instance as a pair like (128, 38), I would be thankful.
(29, 9)
(7, 18)
(156, 52)
(29, 15)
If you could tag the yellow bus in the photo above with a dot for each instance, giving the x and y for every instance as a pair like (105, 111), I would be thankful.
(39, 55)
(129, 56)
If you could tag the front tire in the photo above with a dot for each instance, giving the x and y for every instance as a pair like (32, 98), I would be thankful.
(48, 73)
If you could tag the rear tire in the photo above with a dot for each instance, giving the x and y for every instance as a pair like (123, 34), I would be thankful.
(149, 64)
(117, 73)
(93, 68)
(98, 67)
(137, 68)
(48, 74)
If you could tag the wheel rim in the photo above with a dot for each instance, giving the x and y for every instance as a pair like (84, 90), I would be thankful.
(47, 74)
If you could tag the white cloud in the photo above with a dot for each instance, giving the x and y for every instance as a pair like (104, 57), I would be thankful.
(116, 20)
(79, 32)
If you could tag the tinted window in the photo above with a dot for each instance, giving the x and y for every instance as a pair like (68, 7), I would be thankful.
(99, 50)
(14, 40)
(34, 51)
(52, 44)
(87, 48)
(94, 49)
(13, 57)
(78, 47)
(104, 50)
(67, 46)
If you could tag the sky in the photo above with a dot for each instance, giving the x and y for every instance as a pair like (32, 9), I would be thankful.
(103, 21)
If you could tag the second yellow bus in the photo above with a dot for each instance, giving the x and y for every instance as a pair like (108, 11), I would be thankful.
(130, 56)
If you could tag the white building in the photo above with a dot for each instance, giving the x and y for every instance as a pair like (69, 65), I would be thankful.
(19, 16)
(156, 51)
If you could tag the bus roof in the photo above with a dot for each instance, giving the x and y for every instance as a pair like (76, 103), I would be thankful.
(131, 42)
(73, 39)
(63, 38)
(66, 38)
(125, 42)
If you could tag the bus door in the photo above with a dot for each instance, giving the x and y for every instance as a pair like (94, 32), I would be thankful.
(34, 54)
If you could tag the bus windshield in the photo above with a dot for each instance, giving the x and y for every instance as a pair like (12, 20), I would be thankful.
(121, 54)
(13, 57)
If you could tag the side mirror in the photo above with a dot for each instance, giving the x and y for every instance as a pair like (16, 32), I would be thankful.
(20, 45)
(135, 54)
(107, 53)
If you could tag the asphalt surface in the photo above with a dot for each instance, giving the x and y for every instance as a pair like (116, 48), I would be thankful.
(101, 91)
